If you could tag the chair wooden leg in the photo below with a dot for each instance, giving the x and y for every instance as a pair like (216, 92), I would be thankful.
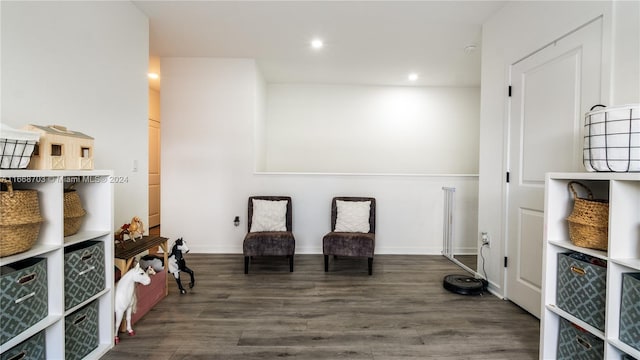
(290, 263)
(246, 264)
(370, 263)
(326, 263)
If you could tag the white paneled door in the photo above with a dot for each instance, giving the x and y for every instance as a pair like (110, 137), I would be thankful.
(550, 92)
(154, 173)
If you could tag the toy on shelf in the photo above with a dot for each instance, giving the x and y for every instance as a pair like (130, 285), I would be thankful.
(136, 228)
(177, 263)
(125, 298)
(61, 149)
(133, 231)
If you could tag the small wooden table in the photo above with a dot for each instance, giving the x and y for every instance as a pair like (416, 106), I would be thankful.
(125, 254)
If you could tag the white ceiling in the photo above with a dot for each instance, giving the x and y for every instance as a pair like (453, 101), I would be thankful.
(366, 42)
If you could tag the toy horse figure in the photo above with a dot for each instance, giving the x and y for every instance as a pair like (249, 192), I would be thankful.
(136, 228)
(126, 296)
(177, 263)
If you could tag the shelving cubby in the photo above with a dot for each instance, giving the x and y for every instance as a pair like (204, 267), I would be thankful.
(622, 190)
(96, 194)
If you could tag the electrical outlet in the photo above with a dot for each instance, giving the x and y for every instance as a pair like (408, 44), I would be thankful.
(485, 238)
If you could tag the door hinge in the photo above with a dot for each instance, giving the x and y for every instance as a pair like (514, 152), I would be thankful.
(507, 177)
(505, 261)
(509, 90)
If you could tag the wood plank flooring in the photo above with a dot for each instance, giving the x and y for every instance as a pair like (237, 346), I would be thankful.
(401, 312)
(470, 261)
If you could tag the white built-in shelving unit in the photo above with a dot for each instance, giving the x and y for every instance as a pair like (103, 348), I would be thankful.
(96, 193)
(623, 254)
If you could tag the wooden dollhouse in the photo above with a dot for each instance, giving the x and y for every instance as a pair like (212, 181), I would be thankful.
(61, 149)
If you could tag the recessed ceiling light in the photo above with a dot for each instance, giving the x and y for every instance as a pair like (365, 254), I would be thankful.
(317, 44)
(153, 76)
(413, 77)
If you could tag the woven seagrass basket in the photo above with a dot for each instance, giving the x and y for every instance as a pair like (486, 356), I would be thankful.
(20, 219)
(589, 220)
(73, 212)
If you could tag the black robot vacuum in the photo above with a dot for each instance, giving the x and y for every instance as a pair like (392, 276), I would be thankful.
(463, 284)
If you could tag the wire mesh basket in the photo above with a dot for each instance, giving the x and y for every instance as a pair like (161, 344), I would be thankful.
(612, 139)
(16, 147)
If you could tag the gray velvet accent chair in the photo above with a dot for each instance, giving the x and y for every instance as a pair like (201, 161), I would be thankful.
(269, 243)
(341, 243)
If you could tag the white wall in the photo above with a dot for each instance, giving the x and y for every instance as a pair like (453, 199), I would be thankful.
(209, 115)
(83, 65)
(625, 68)
(208, 112)
(517, 30)
(372, 129)
(260, 128)
(409, 209)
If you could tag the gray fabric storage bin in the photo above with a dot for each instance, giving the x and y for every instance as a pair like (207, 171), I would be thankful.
(34, 348)
(575, 343)
(83, 272)
(23, 296)
(581, 287)
(81, 332)
(630, 310)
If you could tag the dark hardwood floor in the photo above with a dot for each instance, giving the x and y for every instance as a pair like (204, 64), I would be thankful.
(471, 261)
(401, 312)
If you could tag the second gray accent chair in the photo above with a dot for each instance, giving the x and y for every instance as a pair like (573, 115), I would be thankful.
(344, 243)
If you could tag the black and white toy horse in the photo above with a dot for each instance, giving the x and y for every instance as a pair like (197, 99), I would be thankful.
(177, 263)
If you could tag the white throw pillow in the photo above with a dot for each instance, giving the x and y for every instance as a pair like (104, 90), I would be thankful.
(353, 216)
(269, 215)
